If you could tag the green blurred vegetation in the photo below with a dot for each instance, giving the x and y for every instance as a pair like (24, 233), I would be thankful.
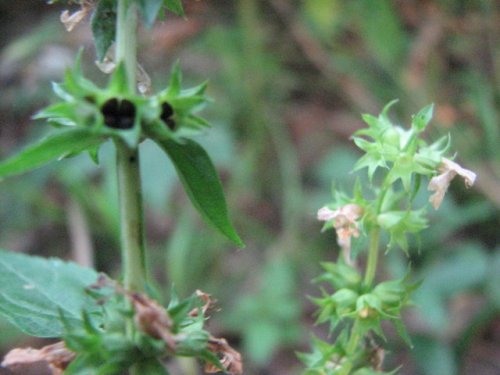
(289, 80)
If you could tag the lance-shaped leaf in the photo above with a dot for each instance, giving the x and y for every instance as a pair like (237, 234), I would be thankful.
(103, 26)
(57, 145)
(150, 10)
(201, 182)
(174, 6)
(422, 118)
(36, 291)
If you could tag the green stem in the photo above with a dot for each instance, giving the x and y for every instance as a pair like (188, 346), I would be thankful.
(127, 161)
(372, 261)
(371, 269)
(128, 167)
(351, 347)
(131, 218)
(371, 266)
(126, 40)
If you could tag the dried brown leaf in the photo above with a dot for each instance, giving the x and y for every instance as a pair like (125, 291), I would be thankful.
(152, 318)
(439, 184)
(57, 357)
(230, 358)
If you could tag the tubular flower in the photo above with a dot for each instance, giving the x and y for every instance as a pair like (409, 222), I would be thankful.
(439, 184)
(345, 224)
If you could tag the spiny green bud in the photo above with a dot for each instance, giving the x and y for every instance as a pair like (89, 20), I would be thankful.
(388, 220)
(191, 343)
(391, 137)
(344, 300)
(368, 306)
(342, 275)
(391, 293)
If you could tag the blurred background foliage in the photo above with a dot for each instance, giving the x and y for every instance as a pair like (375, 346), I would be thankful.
(289, 81)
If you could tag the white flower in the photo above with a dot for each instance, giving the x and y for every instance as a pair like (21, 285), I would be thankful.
(345, 224)
(440, 183)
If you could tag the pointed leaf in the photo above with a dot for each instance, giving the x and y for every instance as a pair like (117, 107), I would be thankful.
(52, 147)
(103, 26)
(403, 333)
(422, 118)
(36, 291)
(202, 184)
(118, 83)
(174, 86)
(174, 6)
(150, 9)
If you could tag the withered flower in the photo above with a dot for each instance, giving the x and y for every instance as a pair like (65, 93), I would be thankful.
(208, 304)
(230, 358)
(152, 319)
(73, 19)
(345, 224)
(439, 184)
(56, 356)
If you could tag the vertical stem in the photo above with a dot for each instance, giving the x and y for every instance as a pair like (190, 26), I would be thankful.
(371, 266)
(126, 40)
(127, 161)
(131, 220)
(127, 164)
(352, 344)
(371, 269)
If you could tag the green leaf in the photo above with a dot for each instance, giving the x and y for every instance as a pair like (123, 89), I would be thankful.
(403, 332)
(35, 291)
(57, 145)
(202, 184)
(103, 26)
(150, 9)
(118, 83)
(175, 83)
(422, 118)
(174, 6)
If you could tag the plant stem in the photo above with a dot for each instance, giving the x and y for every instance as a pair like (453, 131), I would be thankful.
(127, 161)
(131, 220)
(128, 167)
(371, 266)
(352, 344)
(126, 40)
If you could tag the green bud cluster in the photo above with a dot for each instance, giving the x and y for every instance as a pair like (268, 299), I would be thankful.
(112, 113)
(401, 152)
(108, 349)
(351, 303)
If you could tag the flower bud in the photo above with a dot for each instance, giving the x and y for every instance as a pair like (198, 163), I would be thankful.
(342, 275)
(344, 300)
(368, 306)
(391, 293)
(391, 137)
